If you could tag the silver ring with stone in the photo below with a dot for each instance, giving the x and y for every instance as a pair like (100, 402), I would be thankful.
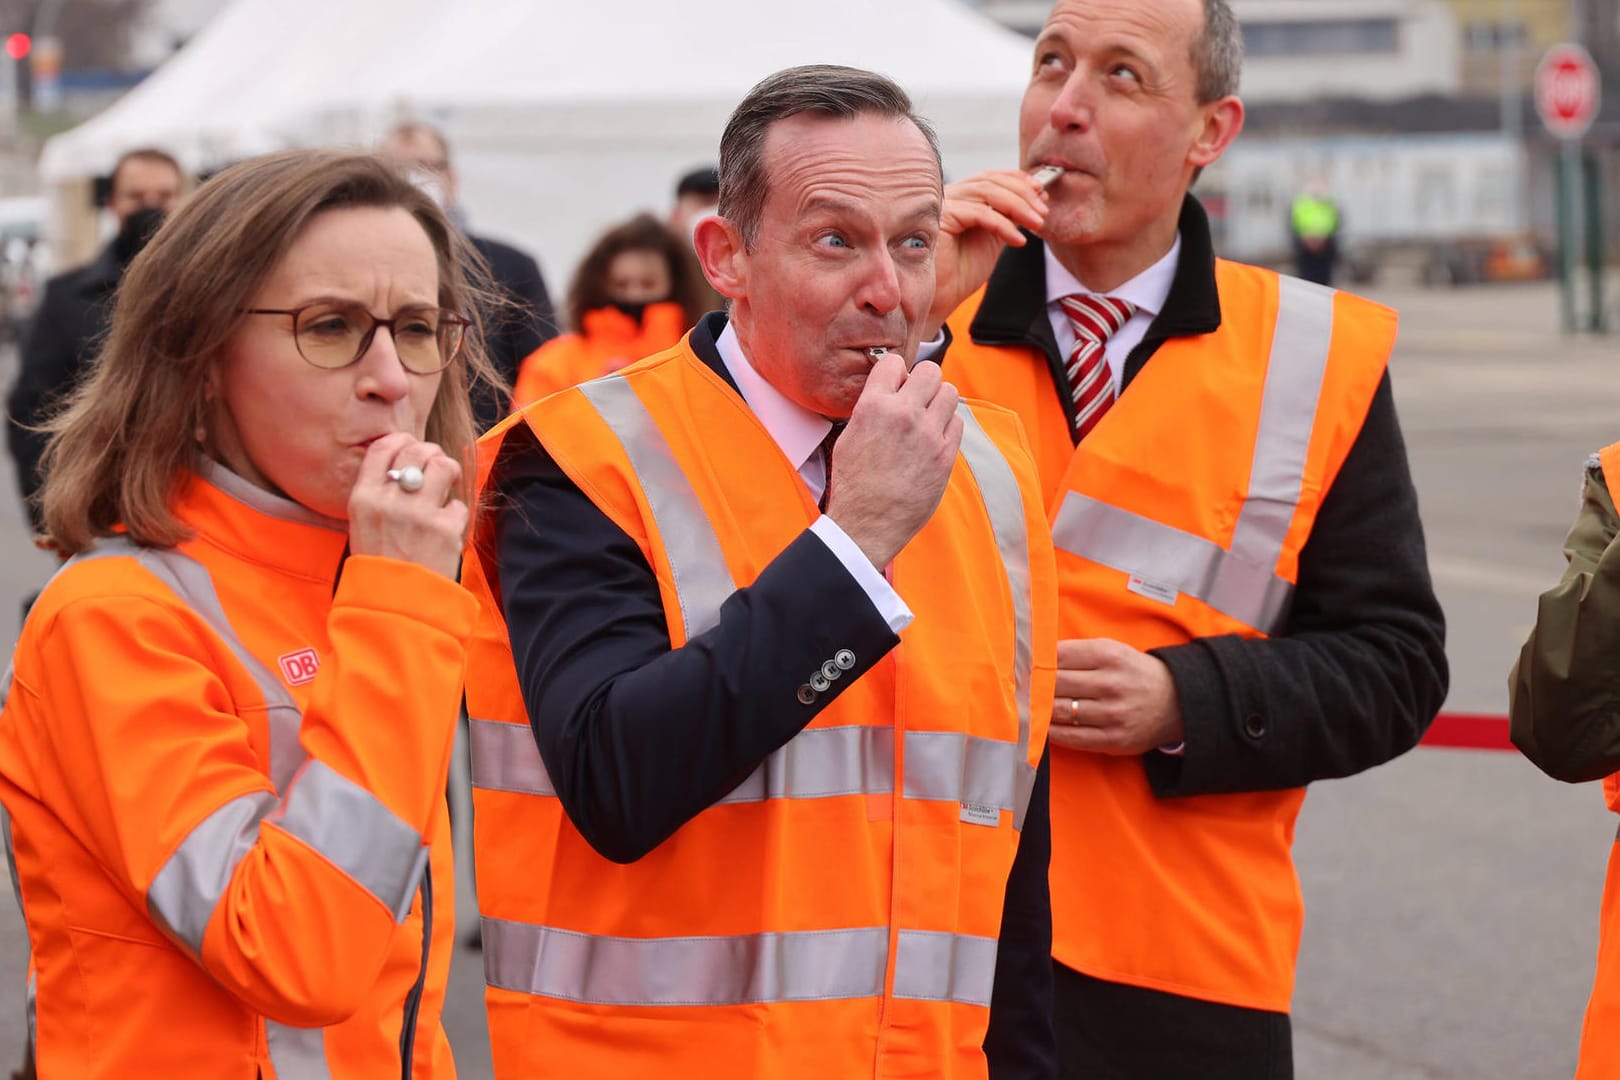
(409, 478)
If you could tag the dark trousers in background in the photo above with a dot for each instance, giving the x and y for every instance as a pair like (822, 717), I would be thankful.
(1109, 1031)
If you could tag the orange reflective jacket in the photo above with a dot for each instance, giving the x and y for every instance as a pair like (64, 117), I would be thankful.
(1182, 516)
(1600, 1034)
(838, 914)
(608, 340)
(225, 786)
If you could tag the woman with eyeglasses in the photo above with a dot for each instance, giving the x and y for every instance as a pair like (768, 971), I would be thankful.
(228, 730)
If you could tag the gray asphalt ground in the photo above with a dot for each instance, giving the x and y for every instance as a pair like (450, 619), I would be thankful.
(1452, 895)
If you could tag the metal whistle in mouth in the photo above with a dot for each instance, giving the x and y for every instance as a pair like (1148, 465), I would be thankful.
(876, 351)
(1044, 175)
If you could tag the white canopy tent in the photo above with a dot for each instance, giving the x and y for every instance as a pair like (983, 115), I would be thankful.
(563, 118)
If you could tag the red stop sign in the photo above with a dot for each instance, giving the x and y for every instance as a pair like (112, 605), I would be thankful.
(1568, 91)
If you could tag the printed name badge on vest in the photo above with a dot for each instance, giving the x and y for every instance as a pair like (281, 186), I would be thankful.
(1164, 594)
(977, 813)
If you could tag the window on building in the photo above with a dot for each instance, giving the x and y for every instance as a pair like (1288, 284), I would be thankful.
(1490, 36)
(1321, 37)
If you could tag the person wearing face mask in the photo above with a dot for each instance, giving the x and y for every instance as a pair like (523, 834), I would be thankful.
(146, 184)
(520, 317)
(228, 725)
(635, 293)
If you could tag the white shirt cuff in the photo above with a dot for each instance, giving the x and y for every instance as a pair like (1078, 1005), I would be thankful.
(928, 350)
(888, 603)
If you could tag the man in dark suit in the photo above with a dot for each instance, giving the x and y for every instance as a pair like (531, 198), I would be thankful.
(146, 184)
(529, 321)
(664, 759)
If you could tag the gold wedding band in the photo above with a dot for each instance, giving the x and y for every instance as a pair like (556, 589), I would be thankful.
(1074, 711)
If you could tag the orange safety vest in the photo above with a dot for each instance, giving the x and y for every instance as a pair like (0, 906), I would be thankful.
(609, 339)
(224, 784)
(1182, 516)
(1600, 1034)
(837, 915)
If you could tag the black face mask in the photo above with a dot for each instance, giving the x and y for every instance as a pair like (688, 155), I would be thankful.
(136, 231)
(634, 310)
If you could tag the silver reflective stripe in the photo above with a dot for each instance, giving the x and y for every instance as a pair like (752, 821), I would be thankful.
(816, 763)
(741, 970)
(1299, 357)
(297, 1053)
(1241, 582)
(183, 895)
(702, 579)
(354, 831)
(953, 767)
(944, 967)
(505, 758)
(1004, 504)
(1133, 544)
(823, 762)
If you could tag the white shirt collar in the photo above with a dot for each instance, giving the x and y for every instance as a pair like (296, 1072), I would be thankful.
(1147, 290)
(796, 430)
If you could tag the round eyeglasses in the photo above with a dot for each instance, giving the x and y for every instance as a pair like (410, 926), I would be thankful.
(334, 335)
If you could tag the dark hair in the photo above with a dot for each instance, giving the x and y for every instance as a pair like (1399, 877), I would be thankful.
(149, 154)
(588, 291)
(819, 89)
(704, 182)
(125, 439)
(1217, 53)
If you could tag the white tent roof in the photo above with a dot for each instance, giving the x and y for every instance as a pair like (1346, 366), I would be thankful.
(563, 117)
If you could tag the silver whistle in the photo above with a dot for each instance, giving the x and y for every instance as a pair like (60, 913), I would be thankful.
(1044, 175)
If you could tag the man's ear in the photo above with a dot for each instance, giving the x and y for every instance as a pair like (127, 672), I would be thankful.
(1223, 119)
(721, 253)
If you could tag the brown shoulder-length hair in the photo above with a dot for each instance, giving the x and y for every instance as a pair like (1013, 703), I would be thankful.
(589, 290)
(124, 441)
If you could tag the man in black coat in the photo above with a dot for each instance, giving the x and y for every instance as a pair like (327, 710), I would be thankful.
(529, 321)
(66, 329)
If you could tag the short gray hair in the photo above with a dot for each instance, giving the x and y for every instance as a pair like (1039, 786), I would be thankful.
(826, 90)
(1217, 53)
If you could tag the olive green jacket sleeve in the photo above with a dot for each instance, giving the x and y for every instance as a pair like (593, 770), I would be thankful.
(1565, 690)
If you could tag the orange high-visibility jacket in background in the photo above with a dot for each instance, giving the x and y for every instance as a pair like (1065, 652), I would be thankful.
(609, 339)
(838, 914)
(226, 789)
(1600, 1032)
(1181, 516)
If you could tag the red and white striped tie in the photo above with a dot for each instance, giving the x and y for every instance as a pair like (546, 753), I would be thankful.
(1095, 319)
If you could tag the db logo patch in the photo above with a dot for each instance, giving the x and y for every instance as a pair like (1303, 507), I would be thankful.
(299, 667)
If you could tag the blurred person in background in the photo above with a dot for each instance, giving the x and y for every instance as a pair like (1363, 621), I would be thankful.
(1314, 223)
(1564, 710)
(225, 744)
(1245, 599)
(703, 850)
(697, 195)
(524, 319)
(635, 293)
(66, 329)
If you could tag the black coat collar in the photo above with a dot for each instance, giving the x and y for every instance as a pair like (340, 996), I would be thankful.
(1014, 308)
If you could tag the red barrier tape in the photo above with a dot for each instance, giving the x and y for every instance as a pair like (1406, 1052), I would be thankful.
(1469, 731)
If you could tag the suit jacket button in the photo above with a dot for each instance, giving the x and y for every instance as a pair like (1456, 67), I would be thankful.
(1255, 725)
(807, 696)
(844, 659)
(831, 670)
(819, 682)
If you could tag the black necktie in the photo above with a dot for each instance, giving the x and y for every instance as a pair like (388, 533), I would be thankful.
(826, 460)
